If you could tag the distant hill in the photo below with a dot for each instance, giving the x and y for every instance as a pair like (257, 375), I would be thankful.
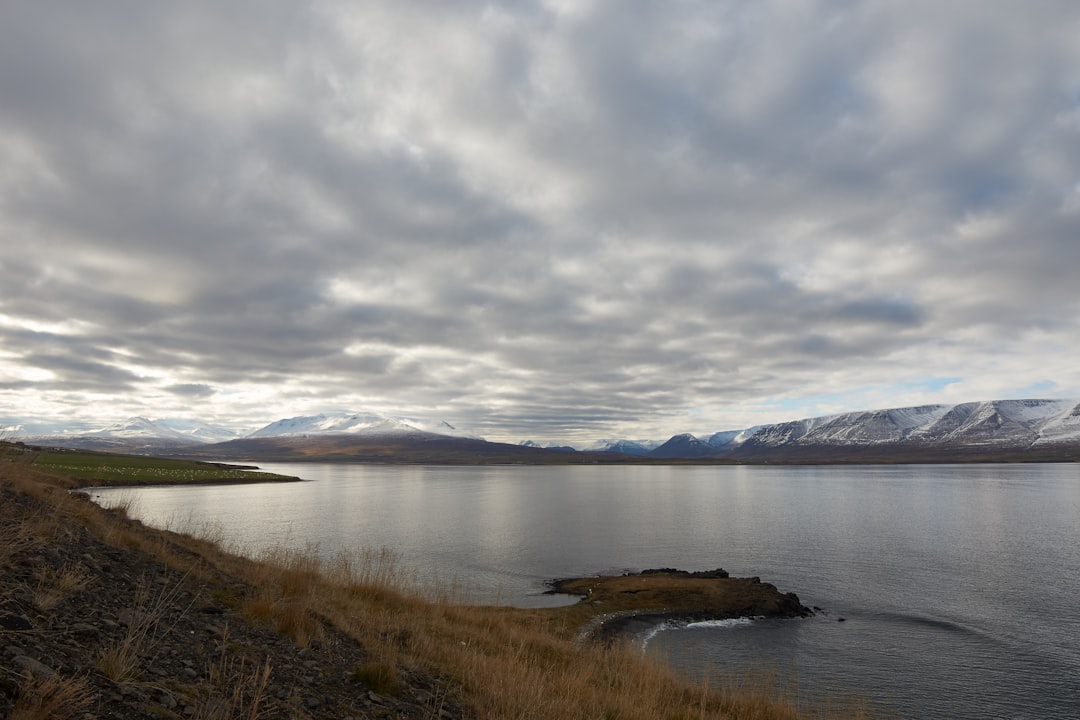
(683, 446)
(991, 431)
(405, 447)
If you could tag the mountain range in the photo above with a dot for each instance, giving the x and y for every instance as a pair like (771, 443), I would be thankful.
(141, 431)
(989, 430)
(1040, 428)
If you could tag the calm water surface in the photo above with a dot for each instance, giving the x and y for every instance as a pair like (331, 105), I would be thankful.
(959, 586)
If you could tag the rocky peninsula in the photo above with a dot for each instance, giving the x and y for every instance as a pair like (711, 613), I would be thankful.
(616, 604)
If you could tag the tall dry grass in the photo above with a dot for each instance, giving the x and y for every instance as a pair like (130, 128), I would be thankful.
(56, 585)
(120, 661)
(234, 689)
(507, 664)
(52, 698)
(18, 534)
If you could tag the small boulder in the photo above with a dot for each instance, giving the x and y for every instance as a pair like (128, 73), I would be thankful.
(12, 621)
(39, 670)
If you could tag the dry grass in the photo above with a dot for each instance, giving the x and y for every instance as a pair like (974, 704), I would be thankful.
(506, 663)
(113, 526)
(123, 503)
(235, 690)
(18, 535)
(53, 698)
(285, 596)
(145, 627)
(56, 585)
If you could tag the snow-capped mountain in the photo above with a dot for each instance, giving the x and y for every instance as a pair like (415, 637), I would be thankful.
(1011, 423)
(626, 447)
(1034, 428)
(352, 424)
(137, 433)
(994, 424)
(137, 428)
(145, 434)
(683, 443)
(547, 446)
(198, 431)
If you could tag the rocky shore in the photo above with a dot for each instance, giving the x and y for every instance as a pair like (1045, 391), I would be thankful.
(95, 629)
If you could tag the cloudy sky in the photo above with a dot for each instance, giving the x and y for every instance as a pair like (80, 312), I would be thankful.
(546, 219)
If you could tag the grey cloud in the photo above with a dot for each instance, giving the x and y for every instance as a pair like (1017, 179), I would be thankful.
(191, 390)
(79, 373)
(533, 223)
(879, 311)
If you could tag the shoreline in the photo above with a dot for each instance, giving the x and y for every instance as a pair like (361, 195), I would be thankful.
(107, 616)
(98, 484)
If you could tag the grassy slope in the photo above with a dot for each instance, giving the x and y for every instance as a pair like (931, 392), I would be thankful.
(507, 663)
(97, 468)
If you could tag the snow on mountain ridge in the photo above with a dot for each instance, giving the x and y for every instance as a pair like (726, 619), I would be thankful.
(993, 422)
(200, 431)
(352, 424)
(321, 424)
(142, 428)
(192, 432)
(628, 447)
(138, 427)
(1061, 428)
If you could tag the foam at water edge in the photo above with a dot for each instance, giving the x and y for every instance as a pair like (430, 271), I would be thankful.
(727, 623)
(698, 625)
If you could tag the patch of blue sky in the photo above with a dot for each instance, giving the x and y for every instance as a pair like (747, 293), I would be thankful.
(1043, 388)
(869, 397)
(930, 385)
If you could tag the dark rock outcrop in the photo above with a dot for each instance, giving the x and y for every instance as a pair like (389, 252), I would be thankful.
(612, 604)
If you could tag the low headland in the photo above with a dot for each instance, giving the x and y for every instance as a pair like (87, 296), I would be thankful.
(87, 468)
(104, 617)
(613, 606)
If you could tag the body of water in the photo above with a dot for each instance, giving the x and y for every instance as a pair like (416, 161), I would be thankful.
(958, 586)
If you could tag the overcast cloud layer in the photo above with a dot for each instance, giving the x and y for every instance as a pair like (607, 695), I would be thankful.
(557, 220)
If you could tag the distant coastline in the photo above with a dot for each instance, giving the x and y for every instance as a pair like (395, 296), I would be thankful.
(996, 431)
